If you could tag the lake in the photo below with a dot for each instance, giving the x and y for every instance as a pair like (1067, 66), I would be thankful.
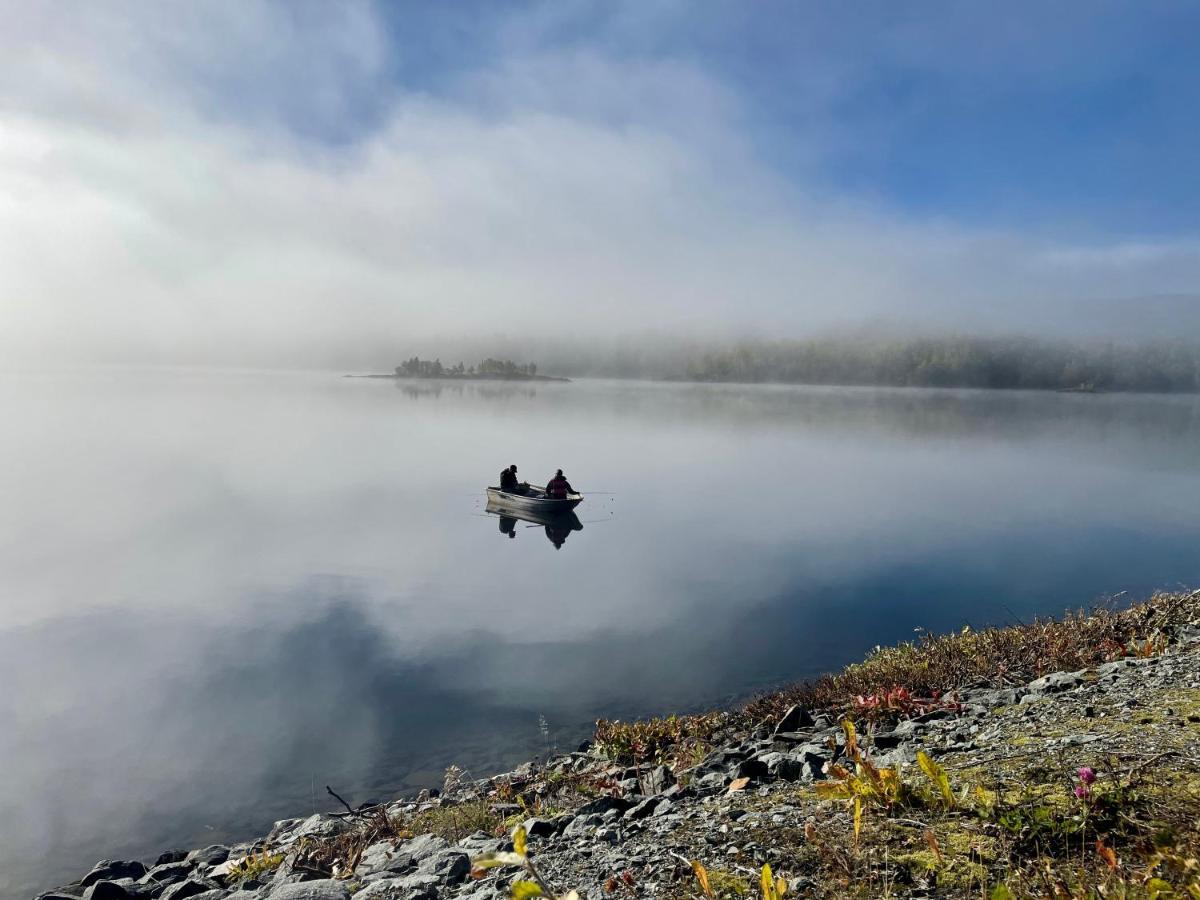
(223, 591)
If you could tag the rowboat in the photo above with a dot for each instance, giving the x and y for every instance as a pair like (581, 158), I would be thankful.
(535, 501)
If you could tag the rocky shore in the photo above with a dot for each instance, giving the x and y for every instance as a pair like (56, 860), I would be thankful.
(1082, 783)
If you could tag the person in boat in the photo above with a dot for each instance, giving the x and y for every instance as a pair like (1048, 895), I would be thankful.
(558, 487)
(508, 481)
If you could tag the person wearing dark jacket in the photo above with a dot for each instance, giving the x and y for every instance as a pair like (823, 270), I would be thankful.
(558, 487)
(508, 478)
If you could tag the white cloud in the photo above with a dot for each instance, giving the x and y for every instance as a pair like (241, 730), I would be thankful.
(162, 196)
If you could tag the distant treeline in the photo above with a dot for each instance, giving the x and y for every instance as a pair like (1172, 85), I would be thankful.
(971, 362)
(489, 368)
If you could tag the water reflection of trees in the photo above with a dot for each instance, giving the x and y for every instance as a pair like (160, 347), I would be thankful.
(432, 388)
(1155, 429)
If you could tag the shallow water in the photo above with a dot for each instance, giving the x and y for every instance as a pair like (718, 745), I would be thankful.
(224, 591)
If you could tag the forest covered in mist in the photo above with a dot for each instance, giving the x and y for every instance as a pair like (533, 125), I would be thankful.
(896, 360)
(953, 361)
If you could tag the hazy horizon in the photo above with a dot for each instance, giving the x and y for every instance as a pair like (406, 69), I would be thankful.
(317, 185)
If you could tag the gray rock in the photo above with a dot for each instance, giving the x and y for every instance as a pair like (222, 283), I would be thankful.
(450, 866)
(212, 855)
(602, 805)
(753, 769)
(1056, 682)
(323, 889)
(319, 825)
(107, 890)
(788, 768)
(480, 842)
(58, 894)
(794, 719)
(189, 888)
(422, 847)
(886, 740)
(581, 825)
(112, 869)
(540, 828)
(170, 856)
(167, 873)
(713, 781)
(410, 887)
(383, 857)
(658, 780)
(643, 810)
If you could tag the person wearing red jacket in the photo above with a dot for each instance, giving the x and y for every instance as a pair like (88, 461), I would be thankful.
(558, 487)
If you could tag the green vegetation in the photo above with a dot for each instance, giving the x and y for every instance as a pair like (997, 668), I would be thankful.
(649, 740)
(254, 866)
(957, 361)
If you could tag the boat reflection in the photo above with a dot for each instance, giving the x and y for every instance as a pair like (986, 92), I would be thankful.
(558, 526)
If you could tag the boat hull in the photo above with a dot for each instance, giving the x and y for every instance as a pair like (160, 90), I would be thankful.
(536, 502)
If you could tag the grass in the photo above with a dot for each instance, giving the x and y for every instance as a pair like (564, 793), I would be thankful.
(913, 677)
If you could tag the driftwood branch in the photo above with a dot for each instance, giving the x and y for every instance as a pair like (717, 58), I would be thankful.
(335, 796)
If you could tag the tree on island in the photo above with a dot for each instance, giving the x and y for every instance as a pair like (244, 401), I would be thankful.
(489, 368)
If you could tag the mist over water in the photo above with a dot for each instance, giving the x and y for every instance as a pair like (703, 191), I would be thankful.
(225, 590)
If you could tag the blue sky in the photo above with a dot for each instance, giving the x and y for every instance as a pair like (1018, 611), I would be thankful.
(183, 176)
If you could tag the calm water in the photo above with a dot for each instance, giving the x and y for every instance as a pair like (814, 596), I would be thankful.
(222, 591)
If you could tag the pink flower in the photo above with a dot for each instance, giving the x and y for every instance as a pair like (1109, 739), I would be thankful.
(1086, 774)
(1082, 791)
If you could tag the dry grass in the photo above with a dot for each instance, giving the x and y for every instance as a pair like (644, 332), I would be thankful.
(994, 657)
(931, 667)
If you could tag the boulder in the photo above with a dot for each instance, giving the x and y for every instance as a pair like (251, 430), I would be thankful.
(112, 869)
(712, 781)
(1056, 682)
(449, 866)
(107, 890)
(383, 857)
(170, 856)
(581, 824)
(422, 847)
(319, 825)
(642, 810)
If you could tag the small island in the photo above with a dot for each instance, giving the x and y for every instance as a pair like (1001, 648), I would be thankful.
(488, 370)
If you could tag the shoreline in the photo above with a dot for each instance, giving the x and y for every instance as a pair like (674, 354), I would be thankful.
(1088, 774)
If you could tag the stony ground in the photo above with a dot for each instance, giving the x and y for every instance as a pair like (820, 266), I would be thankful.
(1079, 784)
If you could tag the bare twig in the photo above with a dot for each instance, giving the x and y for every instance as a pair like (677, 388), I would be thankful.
(336, 797)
